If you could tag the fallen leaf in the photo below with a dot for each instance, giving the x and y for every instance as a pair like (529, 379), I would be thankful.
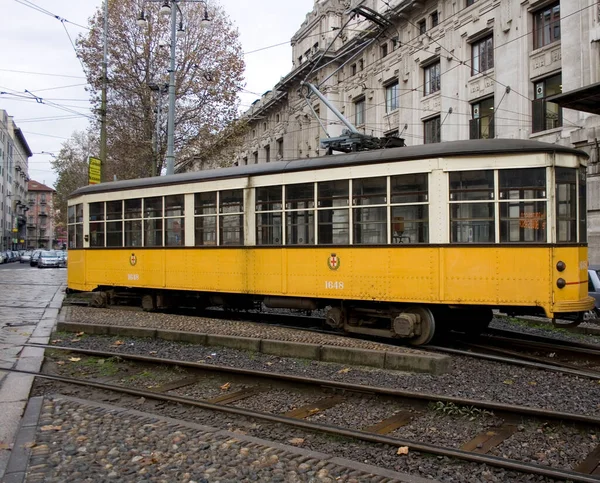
(4, 446)
(75, 340)
(296, 441)
(200, 361)
(60, 363)
(29, 444)
(74, 359)
(153, 352)
(79, 334)
(118, 342)
(51, 428)
(402, 450)
(56, 341)
(508, 382)
(532, 383)
(344, 370)
(270, 364)
(226, 386)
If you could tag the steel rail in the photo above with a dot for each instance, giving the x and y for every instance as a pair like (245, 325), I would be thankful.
(359, 388)
(513, 334)
(496, 461)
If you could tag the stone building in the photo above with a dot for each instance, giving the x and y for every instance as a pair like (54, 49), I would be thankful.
(40, 217)
(14, 162)
(437, 70)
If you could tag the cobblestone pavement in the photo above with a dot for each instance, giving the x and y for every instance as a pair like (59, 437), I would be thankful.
(30, 299)
(81, 441)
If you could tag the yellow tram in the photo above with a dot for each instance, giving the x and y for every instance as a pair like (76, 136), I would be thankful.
(398, 242)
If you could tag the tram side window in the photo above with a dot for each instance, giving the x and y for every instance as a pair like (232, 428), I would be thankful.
(300, 215)
(231, 217)
(268, 215)
(75, 225)
(133, 222)
(333, 215)
(96, 211)
(410, 209)
(153, 222)
(522, 195)
(114, 223)
(566, 205)
(370, 220)
(174, 221)
(583, 204)
(471, 212)
(205, 219)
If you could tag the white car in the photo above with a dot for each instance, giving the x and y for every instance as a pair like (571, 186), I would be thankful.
(48, 258)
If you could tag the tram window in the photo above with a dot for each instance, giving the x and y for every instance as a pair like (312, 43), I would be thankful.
(472, 185)
(205, 203)
(71, 214)
(97, 234)
(334, 227)
(583, 204)
(133, 208)
(300, 227)
(114, 233)
(410, 224)
(153, 207)
(299, 196)
(205, 231)
(174, 232)
(79, 213)
(521, 218)
(133, 233)
(153, 232)
(370, 225)
(71, 234)
(472, 223)
(522, 184)
(268, 198)
(97, 211)
(369, 191)
(566, 204)
(79, 235)
(409, 188)
(231, 218)
(174, 205)
(332, 193)
(114, 210)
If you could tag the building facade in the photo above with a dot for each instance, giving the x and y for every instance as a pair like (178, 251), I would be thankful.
(14, 168)
(436, 70)
(40, 216)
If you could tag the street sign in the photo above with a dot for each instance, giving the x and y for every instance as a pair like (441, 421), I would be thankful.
(15, 230)
(95, 170)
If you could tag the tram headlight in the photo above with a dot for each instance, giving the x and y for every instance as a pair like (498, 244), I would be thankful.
(560, 283)
(561, 266)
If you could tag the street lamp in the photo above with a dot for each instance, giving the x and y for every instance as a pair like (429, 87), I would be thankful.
(171, 7)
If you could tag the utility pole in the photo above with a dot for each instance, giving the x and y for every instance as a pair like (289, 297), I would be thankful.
(103, 101)
(171, 117)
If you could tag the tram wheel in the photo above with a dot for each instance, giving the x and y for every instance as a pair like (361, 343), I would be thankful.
(427, 325)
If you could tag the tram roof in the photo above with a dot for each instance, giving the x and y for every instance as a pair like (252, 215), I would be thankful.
(479, 147)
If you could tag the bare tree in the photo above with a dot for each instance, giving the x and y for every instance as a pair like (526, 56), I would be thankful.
(209, 73)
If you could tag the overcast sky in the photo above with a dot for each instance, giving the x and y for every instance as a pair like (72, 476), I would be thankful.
(37, 56)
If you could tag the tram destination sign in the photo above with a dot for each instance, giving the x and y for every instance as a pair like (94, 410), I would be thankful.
(94, 170)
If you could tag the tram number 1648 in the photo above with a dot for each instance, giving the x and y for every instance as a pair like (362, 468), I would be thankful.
(334, 285)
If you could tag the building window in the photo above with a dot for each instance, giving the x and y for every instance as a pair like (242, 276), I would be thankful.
(361, 64)
(245, 161)
(384, 50)
(434, 19)
(470, 2)
(432, 78)
(482, 55)
(353, 69)
(395, 43)
(481, 126)
(546, 25)
(391, 97)
(268, 153)
(359, 112)
(255, 156)
(432, 128)
(547, 115)
(472, 207)
(277, 118)
(422, 26)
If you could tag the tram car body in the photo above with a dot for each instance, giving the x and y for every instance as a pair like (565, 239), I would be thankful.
(401, 242)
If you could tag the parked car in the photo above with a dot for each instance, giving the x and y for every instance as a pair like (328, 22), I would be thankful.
(34, 258)
(26, 257)
(62, 256)
(594, 291)
(48, 259)
(3, 257)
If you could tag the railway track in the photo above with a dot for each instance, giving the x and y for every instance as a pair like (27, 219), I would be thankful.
(329, 396)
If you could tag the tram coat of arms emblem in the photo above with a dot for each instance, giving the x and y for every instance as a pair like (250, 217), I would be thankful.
(333, 262)
(132, 259)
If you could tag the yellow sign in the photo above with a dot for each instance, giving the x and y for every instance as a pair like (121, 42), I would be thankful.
(21, 241)
(95, 170)
(15, 230)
